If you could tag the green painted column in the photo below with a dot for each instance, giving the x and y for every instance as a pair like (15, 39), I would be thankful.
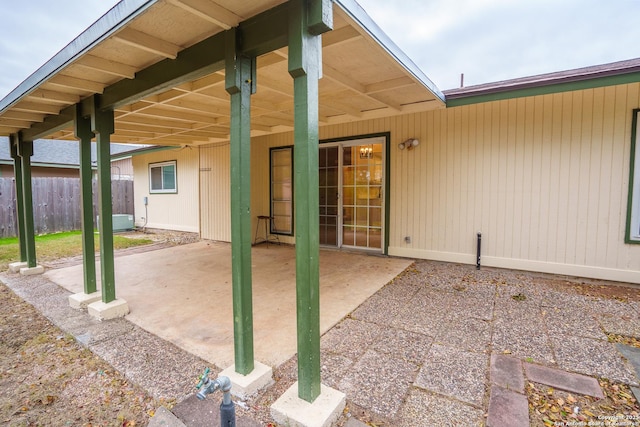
(25, 151)
(305, 59)
(17, 173)
(102, 126)
(239, 83)
(82, 128)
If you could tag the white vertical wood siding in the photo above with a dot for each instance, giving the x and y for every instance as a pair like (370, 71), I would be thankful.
(543, 178)
(178, 211)
(215, 191)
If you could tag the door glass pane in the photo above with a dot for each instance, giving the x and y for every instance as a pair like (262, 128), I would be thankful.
(362, 195)
(281, 190)
(329, 191)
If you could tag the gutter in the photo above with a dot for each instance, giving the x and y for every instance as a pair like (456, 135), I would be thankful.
(358, 14)
(111, 22)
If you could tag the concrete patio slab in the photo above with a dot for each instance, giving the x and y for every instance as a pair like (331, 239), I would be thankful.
(183, 294)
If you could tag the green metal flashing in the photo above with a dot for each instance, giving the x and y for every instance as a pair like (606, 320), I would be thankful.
(387, 192)
(141, 151)
(632, 166)
(239, 83)
(83, 133)
(542, 89)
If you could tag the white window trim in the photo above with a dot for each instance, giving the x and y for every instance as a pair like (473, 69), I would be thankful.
(160, 165)
(633, 220)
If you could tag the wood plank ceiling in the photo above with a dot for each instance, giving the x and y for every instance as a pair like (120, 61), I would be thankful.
(361, 80)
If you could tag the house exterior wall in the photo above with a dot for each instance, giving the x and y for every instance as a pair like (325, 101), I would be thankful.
(543, 178)
(215, 192)
(122, 169)
(171, 211)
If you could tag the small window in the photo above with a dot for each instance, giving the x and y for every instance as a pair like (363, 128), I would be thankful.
(633, 208)
(282, 190)
(162, 177)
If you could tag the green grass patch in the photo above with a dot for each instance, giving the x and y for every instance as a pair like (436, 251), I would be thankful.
(59, 245)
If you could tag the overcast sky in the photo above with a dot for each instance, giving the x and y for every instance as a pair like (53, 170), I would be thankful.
(487, 40)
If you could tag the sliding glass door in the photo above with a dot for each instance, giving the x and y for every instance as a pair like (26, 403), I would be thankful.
(351, 194)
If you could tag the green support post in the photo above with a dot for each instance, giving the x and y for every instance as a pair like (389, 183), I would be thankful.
(240, 83)
(102, 125)
(17, 173)
(305, 59)
(25, 151)
(82, 128)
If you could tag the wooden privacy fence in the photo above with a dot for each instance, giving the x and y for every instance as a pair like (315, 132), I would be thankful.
(56, 204)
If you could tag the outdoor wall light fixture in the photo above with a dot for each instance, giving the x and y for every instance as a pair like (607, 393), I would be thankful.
(409, 144)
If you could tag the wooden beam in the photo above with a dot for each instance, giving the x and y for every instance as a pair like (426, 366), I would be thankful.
(52, 97)
(210, 12)
(391, 84)
(106, 66)
(76, 83)
(340, 36)
(148, 43)
(36, 107)
(22, 115)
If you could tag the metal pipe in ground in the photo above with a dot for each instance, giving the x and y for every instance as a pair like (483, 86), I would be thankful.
(478, 251)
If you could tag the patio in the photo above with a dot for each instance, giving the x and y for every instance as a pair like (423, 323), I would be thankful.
(462, 346)
(183, 294)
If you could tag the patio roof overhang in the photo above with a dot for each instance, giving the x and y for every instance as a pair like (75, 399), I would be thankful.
(160, 65)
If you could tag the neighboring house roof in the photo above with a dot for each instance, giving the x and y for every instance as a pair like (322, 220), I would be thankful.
(61, 154)
(580, 78)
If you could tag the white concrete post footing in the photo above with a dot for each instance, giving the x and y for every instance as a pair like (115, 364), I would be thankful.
(245, 386)
(15, 267)
(292, 411)
(32, 271)
(106, 311)
(82, 300)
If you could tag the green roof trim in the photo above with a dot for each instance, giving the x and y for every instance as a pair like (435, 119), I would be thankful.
(543, 89)
(144, 150)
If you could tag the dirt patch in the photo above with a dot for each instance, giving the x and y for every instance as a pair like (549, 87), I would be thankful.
(47, 379)
(552, 407)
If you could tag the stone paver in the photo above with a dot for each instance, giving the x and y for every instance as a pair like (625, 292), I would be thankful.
(507, 373)
(592, 357)
(632, 354)
(379, 382)
(424, 409)
(507, 409)
(563, 380)
(453, 372)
